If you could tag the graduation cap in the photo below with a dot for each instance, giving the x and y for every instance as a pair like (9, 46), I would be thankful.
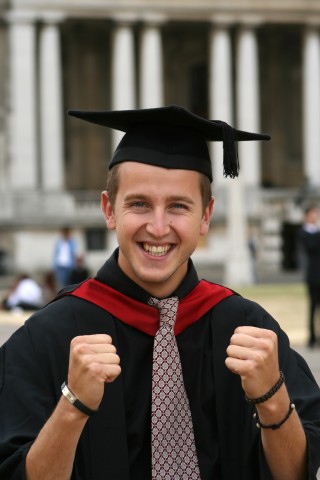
(170, 137)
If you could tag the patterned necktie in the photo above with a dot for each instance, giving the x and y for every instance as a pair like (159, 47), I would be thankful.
(173, 448)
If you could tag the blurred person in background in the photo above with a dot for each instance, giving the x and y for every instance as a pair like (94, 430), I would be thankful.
(49, 286)
(310, 241)
(80, 271)
(25, 294)
(64, 259)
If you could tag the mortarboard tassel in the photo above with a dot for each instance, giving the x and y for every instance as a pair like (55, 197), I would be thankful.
(231, 165)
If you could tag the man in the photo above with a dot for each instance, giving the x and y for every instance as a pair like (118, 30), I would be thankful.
(64, 259)
(310, 242)
(103, 339)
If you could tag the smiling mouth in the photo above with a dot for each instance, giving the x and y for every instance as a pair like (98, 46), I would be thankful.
(156, 250)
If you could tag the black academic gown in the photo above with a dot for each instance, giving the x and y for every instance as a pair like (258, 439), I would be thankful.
(115, 443)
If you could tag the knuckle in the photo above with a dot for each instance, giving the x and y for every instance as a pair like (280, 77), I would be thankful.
(75, 341)
(229, 349)
(80, 348)
(233, 339)
(96, 369)
(112, 372)
(265, 343)
(113, 359)
(112, 349)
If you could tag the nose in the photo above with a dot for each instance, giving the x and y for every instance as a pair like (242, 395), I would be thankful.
(158, 225)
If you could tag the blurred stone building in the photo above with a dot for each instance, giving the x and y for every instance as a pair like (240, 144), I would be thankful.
(252, 63)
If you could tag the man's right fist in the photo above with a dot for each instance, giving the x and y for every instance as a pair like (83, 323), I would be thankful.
(93, 362)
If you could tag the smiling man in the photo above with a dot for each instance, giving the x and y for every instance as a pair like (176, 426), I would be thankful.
(145, 372)
(157, 230)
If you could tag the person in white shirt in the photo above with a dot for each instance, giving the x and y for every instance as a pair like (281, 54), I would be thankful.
(25, 294)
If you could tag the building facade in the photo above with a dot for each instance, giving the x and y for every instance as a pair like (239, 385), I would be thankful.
(253, 64)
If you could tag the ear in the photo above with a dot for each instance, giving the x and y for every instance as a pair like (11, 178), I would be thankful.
(204, 228)
(107, 210)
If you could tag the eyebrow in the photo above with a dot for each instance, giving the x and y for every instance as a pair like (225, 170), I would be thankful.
(171, 198)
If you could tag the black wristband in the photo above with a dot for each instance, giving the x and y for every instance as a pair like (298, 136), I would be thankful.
(274, 426)
(75, 402)
(269, 394)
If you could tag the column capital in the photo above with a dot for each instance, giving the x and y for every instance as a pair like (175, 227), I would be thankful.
(250, 22)
(21, 16)
(153, 19)
(312, 25)
(222, 20)
(125, 18)
(52, 17)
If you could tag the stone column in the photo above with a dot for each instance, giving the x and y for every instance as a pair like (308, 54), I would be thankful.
(51, 106)
(151, 65)
(238, 266)
(311, 105)
(220, 91)
(123, 71)
(23, 121)
(248, 104)
(3, 110)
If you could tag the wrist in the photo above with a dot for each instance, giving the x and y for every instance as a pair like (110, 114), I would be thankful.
(274, 410)
(275, 403)
(274, 424)
(75, 402)
(269, 394)
(68, 413)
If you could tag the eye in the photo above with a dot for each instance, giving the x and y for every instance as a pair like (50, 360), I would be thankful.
(138, 204)
(179, 206)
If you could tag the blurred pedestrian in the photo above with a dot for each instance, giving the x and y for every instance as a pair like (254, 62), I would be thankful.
(49, 286)
(310, 242)
(25, 294)
(80, 271)
(64, 257)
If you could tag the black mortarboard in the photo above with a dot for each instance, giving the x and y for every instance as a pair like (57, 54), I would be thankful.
(170, 137)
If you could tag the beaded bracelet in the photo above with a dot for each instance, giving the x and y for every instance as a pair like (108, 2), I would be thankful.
(269, 394)
(274, 426)
(75, 401)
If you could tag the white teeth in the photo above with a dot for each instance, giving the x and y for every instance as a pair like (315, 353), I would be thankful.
(157, 251)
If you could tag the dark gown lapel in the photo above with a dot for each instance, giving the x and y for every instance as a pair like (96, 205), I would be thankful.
(237, 440)
(109, 428)
(105, 441)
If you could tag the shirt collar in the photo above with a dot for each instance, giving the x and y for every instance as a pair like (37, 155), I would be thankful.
(311, 227)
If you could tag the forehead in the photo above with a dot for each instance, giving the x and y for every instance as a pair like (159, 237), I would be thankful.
(137, 170)
(135, 175)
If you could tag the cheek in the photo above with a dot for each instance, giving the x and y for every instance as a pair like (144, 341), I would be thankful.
(127, 225)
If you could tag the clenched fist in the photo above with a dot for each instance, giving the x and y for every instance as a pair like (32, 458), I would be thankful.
(93, 362)
(253, 354)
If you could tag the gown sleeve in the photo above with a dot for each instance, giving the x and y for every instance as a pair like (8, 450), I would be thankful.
(302, 387)
(29, 391)
(239, 438)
